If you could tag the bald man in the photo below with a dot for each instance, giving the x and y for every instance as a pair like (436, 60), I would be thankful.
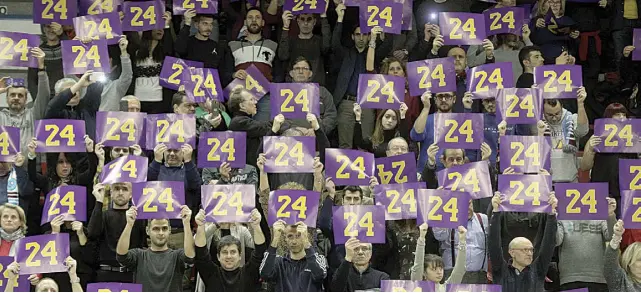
(130, 103)
(522, 272)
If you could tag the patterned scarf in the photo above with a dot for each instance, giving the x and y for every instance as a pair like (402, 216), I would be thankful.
(11, 237)
(12, 189)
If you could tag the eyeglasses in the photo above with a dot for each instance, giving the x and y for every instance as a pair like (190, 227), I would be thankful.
(301, 69)
(444, 97)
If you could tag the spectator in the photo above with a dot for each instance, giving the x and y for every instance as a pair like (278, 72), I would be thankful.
(426, 11)
(158, 268)
(228, 175)
(182, 105)
(50, 46)
(389, 124)
(130, 103)
(13, 226)
(79, 249)
(508, 48)
(16, 188)
(557, 33)
(529, 57)
(355, 272)
(46, 284)
(450, 158)
(588, 18)
(622, 275)
(198, 47)
(624, 17)
(113, 90)
(423, 130)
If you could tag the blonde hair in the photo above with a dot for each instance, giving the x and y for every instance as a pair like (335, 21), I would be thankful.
(292, 186)
(541, 12)
(21, 214)
(631, 254)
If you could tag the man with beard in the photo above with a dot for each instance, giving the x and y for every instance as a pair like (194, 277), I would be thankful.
(198, 47)
(158, 268)
(230, 276)
(313, 48)
(17, 114)
(353, 65)
(178, 166)
(507, 51)
(355, 272)
(302, 269)
(105, 228)
(53, 34)
(523, 272)
(182, 105)
(423, 130)
(529, 57)
(301, 71)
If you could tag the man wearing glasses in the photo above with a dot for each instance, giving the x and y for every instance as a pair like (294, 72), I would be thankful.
(423, 130)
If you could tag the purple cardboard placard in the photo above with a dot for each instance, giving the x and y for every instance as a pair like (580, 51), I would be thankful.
(16, 49)
(386, 14)
(519, 105)
(408, 14)
(636, 42)
(203, 84)
(558, 81)
(201, 7)
(78, 57)
(42, 253)
(399, 200)
(176, 71)
(396, 169)
(454, 130)
(125, 169)
(305, 6)
(484, 81)
(174, 130)
(114, 287)
(442, 208)
(434, 75)
(629, 174)
(631, 209)
(293, 206)
(379, 91)
(60, 11)
(294, 100)
(460, 28)
(67, 200)
(407, 286)
(158, 199)
(349, 167)
(99, 27)
(504, 20)
(9, 143)
(120, 129)
(228, 203)
(93, 7)
(364, 222)
(525, 154)
(143, 15)
(289, 154)
(22, 284)
(60, 136)
(473, 288)
(525, 193)
(473, 178)
(256, 83)
(618, 135)
(217, 147)
(582, 201)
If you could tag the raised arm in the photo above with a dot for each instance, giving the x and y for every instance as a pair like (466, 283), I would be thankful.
(418, 269)
(123, 242)
(548, 243)
(461, 261)
(587, 161)
(494, 241)
(614, 275)
(111, 103)
(44, 89)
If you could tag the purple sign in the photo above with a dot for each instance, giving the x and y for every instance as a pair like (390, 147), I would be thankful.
(125, 169)
(504, 20)
(407, 286)
(9, 143)
(629, 174)
(93, 7)
(458, 130)
(378, 91)
(349, 167)
(99, 27)
(67, 200)
(636, 42)
(204, 85)
(396, 169)
(434, 75)
(175, 72)
(305, 6)
(228, 203)
(618, 136)
(295, 100)
(473, 288)
(60, 136)
(174, 130)
(200, 6)
(143, 15)
(119, 129)
(631, 209)
(289, 154)
(525, 193)
(21, 285)
(158, 199)
(525, 154)
(114, 287)
(15, 49)
(215, 148)
(255, 83)
(60, 11)
(364, 222)
(293, 206)
(442, 208)
(519, 105)
(386, 14)
(42, 254)
(484, 81)
(408, 14)
(460, 28)
(558, 81)
(473, 178)
(580, 289)
(399, 200)
(78, 57)
(582, 201)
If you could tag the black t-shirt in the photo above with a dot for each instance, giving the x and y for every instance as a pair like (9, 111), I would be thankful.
(526, 80)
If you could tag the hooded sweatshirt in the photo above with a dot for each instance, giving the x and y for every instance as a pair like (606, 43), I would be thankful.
(244, 53)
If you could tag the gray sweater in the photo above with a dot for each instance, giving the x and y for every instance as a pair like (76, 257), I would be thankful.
(617, 279)
(114, 90)
(581, 246)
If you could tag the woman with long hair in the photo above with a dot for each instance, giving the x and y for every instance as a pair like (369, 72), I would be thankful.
(624, 274)
(556, 34)
(389, 124)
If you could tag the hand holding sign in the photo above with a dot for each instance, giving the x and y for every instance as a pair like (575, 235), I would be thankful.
(366, 223)
(631, 208)
(143, 15)
(79, 57)
(42, 253)
(9, 143)
(434, 75)
(618, 135)
(15, 49)
(582, 201)
(60, 135)
(462, 28)
(60, 11)
(559, 81)
(385, 14)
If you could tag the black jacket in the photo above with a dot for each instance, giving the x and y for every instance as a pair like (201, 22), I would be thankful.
(303, 275)
(615, 9)
(348, 279)
(245, 278)
(85, 110)
(255, 132)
